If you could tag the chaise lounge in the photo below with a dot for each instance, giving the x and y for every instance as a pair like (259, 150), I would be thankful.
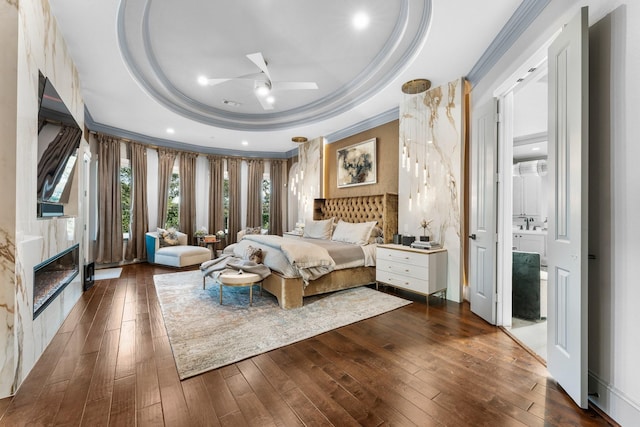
(180, 255)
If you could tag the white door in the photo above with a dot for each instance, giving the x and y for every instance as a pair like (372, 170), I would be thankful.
(482, 226)
(567, 236)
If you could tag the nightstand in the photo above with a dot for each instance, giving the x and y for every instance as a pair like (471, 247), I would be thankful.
(421, 271)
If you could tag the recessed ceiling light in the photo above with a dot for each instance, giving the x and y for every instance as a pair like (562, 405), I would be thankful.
(360, 21)
(245, 143)
(535, 149)
(171, 130)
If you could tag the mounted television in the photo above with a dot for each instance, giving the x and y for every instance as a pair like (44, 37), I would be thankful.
(58, 141)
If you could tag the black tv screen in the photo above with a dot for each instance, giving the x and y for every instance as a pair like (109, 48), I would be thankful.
(57, 162)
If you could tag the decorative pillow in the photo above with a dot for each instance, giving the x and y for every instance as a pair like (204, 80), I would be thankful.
(351, 232)
(168, 237)
(318, 229)
(253, 230)
(253, 254)
(377, 236)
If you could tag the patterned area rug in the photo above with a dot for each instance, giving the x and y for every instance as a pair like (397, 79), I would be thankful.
(205, 335)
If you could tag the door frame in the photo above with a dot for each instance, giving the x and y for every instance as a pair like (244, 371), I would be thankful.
(504, 94)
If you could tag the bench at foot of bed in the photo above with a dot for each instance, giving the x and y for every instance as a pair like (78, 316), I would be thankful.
(291, 291)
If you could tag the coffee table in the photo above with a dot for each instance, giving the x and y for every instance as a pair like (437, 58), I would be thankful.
(240, 278)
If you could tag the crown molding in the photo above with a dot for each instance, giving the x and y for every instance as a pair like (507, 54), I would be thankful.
(370, 123)
(524, 15)
(93, 126)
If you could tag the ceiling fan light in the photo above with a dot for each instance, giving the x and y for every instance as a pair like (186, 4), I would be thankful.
(262, 88)
(270, 99)
(202, 80)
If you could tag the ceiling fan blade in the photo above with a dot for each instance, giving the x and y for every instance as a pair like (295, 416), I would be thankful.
(294, 85)
(213, 82)
(258, 59)
(263, 101)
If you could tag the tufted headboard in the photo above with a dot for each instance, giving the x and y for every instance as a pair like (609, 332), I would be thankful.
(382, 208)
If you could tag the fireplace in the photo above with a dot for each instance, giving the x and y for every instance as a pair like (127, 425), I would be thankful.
(52, 276)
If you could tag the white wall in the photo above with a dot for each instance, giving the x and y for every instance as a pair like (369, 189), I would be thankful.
(614, 348)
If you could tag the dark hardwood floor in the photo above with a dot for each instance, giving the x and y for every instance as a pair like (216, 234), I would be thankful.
(111, 364)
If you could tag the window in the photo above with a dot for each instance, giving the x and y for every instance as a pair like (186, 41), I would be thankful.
(225, 201)
(125, 196)
(266, 199)
(173, 203)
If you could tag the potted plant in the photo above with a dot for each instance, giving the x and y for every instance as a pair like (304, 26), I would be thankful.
(424, 224)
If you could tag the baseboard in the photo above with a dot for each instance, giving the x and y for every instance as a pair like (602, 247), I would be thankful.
(613, 402)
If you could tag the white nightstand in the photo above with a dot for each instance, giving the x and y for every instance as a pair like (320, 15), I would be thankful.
(416, 270)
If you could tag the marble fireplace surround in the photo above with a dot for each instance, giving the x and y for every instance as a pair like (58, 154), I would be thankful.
(32, 43)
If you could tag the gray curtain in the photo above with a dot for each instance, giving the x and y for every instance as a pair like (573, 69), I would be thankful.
(166, 160)
(188, 194)
(136, 248)
(254, 192)
(278, 202)
(109, 204)
(216, 194)
(233, 166)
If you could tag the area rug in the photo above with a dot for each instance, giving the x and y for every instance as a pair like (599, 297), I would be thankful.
(107, 273)
(205, 335)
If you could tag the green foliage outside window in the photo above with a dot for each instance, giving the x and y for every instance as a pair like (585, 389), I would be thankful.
(266, 199)
(173, 203)
(125, 197)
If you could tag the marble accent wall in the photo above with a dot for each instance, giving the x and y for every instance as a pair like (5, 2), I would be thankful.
(305, 179)
(30, 30)
(431, 177)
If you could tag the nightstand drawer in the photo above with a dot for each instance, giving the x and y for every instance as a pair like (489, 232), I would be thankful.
(402, 257)
(409, 270)
(404, 282)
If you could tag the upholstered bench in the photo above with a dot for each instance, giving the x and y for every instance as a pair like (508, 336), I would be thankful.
(180, 255)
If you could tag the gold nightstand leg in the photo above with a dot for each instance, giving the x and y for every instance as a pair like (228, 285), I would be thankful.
(250, 295)
(220, 293)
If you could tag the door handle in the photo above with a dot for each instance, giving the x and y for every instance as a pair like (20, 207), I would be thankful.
(473, 236)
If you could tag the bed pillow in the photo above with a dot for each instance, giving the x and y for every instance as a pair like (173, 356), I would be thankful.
(377, 236)
(318, 229)
(352, 232)
(253, 254)
(168, 237)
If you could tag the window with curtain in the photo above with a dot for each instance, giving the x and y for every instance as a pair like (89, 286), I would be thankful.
(266, 199)
(125, 196)
(173, 200)
(225, 201)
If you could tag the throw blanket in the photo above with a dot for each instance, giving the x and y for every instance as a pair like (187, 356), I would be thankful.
(312, 261)
(230, 263)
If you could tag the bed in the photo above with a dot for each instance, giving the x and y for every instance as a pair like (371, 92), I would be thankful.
(290, 291)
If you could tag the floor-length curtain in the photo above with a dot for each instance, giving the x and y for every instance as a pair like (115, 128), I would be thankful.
(109, 204)
(278, 202)
(166, 160)
(216, 194)
(188, 194)
(254, 192)
(136, 248)
(233, 166)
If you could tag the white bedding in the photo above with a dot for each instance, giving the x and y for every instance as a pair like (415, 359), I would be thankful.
(306, 258)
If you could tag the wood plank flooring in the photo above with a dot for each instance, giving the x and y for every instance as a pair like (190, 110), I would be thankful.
(111, 364)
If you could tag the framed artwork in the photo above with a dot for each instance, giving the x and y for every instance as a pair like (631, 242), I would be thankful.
(357, 164)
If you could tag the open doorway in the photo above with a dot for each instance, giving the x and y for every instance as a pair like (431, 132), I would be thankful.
(529, 211)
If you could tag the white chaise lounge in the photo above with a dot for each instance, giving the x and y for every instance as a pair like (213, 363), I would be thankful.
(181, 255)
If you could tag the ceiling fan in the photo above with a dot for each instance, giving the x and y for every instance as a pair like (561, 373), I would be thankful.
(263, 85)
